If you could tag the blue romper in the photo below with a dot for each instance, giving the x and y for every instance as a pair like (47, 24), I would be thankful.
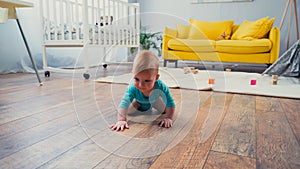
(160, 90)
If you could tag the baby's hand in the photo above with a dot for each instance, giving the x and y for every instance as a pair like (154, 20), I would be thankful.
(166, 122)
(119, 126)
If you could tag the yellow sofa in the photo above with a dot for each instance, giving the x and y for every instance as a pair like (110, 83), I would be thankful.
(222, 41)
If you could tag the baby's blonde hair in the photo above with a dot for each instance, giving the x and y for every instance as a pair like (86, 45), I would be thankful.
(145, 60)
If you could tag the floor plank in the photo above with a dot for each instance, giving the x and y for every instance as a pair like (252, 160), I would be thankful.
(40, 153)
(277, 147)
(24, 123)
(223, 160)
(292, 110)
(215, 115)
(189, 152)
(237, 132)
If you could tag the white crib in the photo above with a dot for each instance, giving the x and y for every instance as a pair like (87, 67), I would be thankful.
(99, 23)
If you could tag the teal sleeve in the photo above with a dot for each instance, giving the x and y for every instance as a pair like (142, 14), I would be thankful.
(167, 98)
(170, 100)
(133, 93)
(128, 97)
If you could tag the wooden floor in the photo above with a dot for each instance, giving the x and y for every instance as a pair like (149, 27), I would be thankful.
(64, 124)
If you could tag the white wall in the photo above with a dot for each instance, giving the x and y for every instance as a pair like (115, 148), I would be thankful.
(155, 13)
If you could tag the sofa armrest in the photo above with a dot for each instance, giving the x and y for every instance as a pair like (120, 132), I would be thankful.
(168, 34)
(274, 36)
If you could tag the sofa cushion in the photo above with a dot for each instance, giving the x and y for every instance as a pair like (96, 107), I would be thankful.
(253, 30)
(191, 45)
(244, 46)
(212, 30)
(196, 33)
(183, 31)
(170, 32)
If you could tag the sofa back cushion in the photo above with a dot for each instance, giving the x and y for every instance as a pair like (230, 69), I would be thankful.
(196, 33)
(182, 31)
(250, 30)
(210, 30)
(171, 33)
(234, 28)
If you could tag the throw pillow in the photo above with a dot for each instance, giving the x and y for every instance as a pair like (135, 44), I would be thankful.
(249, 30)
(170, 32)
(196, 33)
(213, 30)
(183, 31)
(265, 29)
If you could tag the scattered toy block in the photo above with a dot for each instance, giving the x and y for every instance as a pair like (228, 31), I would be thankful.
(186, 70)
(274, 82)
(190, 70)
(195, 71)
(211, 81)
(252, 82)
(275, 77)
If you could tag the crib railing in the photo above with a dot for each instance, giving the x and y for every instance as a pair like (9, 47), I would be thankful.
(95, 22)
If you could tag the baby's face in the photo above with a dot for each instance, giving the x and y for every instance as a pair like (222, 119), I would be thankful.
(144, 80)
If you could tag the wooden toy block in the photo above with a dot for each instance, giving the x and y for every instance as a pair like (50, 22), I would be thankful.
(211, 81)
(275, 77)
(274, 82)
(190, 70)
(186, 70)
(195, 71)
(252, 82)
(228, 70)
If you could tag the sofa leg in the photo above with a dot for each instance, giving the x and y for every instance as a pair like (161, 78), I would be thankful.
(176, 63)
